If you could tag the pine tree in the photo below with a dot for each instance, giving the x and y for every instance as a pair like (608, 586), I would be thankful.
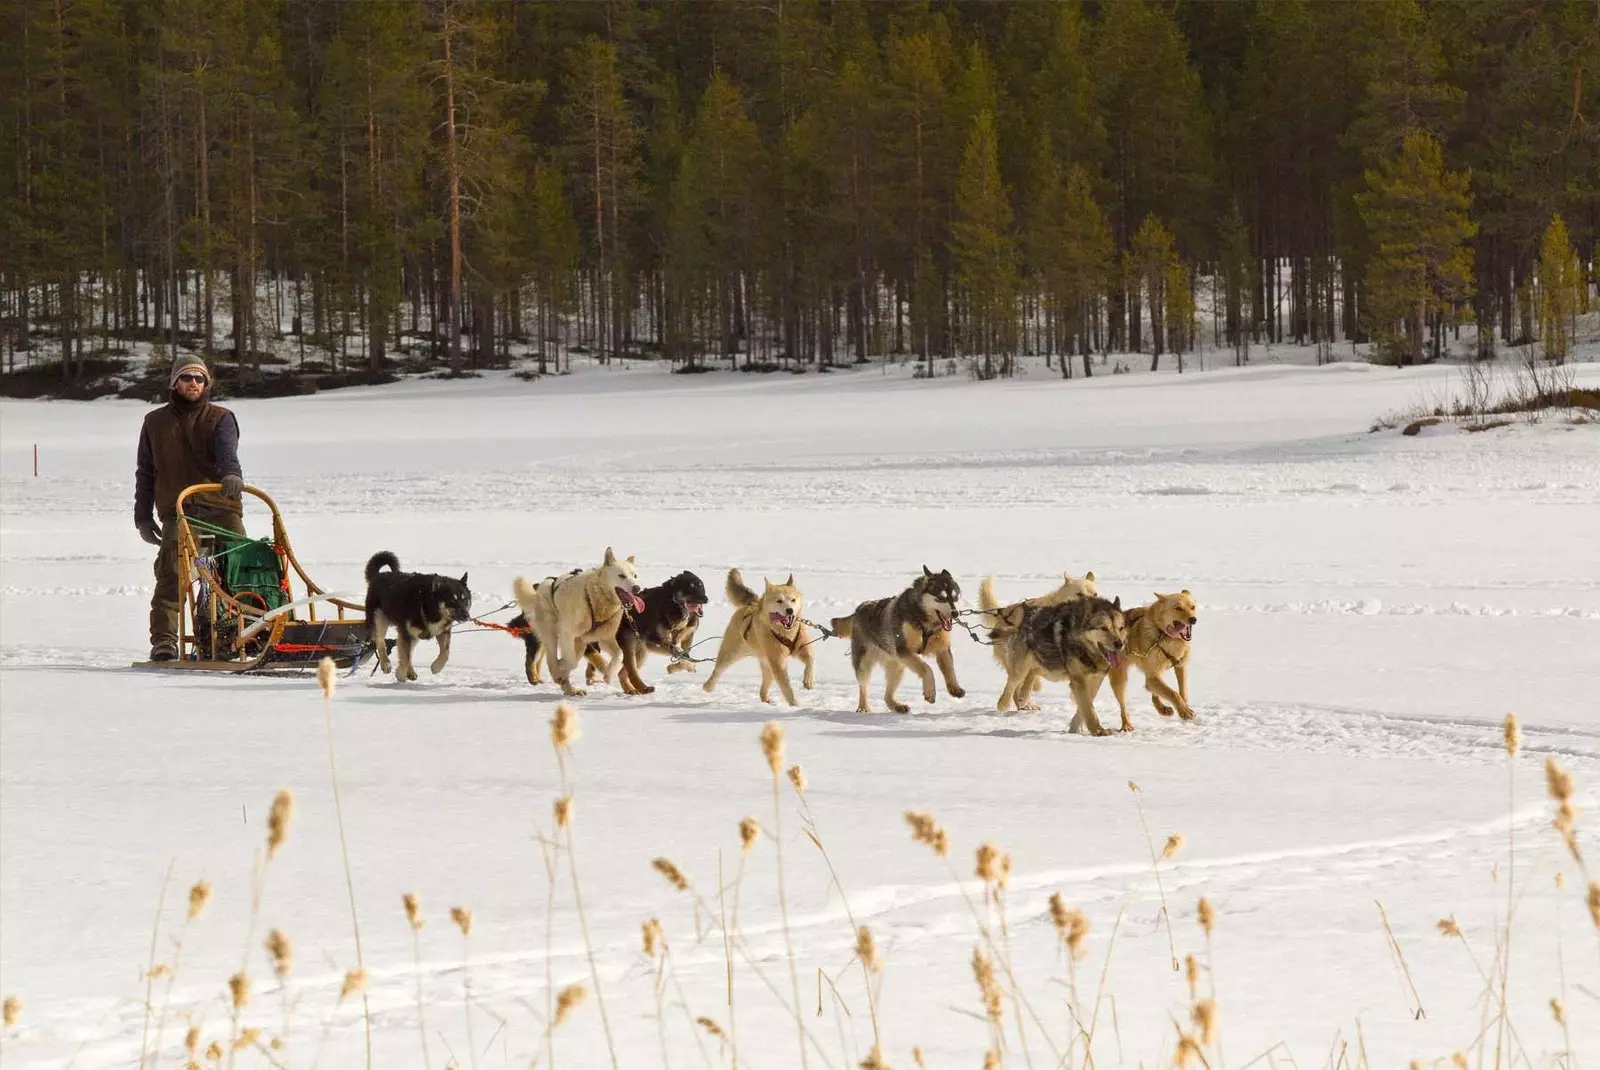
(1560, 283)
(1416, 212)
(554, 254)
(984, 247)
(1150, 266)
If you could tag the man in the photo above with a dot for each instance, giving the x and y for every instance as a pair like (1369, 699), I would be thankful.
(186, 441)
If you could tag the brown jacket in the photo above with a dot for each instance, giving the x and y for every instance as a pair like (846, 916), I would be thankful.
(178, 447)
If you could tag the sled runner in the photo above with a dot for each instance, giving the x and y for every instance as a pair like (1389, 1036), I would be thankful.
(240, 611)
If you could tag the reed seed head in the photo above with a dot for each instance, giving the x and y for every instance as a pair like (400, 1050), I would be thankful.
(1206, 915)
(1174, 845)
(867, 950)
(413, 910)
(199, 896)
(12, 1010)
(191, 1040)
(672, 873)
(1561, 880)
(991, 1060)
(875, 1060)
(1072, 925)
(1134, 787)
(924, 829)
(1513, 735)
(1557, 780)
(711, 1027)
(1458, 1060)
(567, 1001)
(327, 677)
(563, 810)
(994, 865)
(916, 1057)
(281, 951)
(1188, 1051)
(1191, 974)
(983, 971)
(1448, 927)
(564, 727)
(248, 1038)
(214, 1052)
(355, 980)
(239, 986)
(797, 777)
(463, 919)
(654, 939)
(160, 971)
(278, 820)
(772, 746)
(1559, 1010)
(1205, 1020)
(749, 833)
(1594, 903)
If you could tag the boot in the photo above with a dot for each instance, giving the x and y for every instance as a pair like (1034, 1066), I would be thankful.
(165, 648)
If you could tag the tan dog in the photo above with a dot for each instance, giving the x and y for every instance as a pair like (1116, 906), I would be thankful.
(1158, 638)
(1002, 620)
(569, 612)
(766, 626)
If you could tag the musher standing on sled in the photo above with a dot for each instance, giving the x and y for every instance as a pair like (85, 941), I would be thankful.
(186, 441)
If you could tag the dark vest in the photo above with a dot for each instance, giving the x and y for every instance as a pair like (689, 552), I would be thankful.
(183, 446)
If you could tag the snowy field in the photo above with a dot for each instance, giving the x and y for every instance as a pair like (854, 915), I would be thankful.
(1371, 606)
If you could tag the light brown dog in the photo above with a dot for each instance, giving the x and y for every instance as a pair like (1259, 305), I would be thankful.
(569, 612)
(766, 626)
(1158, 638)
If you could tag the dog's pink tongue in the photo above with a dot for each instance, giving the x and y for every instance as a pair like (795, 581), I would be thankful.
(946, 621)
(638, 603)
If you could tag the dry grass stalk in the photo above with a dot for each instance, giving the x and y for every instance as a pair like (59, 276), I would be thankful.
(239, 986)
(994, 865)
(772, 746)
(278, 820)
(563, 810)
(655, 941)
(12, 1010)
(462, 917)
(326, 665)
(924, 829)
(413, 910)
(564, 727)
(281, 951)
(672, 873)
(1173, 846)
(1205, 1019)
(749, 833)
(875, 1060)
(867, 950)
(993, 995)
(355, 980)
(327, 677)
(199, 896)
(797, 777)
(568, 1001)
(1513, 731)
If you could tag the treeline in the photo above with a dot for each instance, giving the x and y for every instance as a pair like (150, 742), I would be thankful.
(794, 180)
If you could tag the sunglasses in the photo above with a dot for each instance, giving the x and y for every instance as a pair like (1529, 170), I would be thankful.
(188, 377)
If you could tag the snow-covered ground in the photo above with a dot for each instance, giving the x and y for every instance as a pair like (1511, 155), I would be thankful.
(1371, 607)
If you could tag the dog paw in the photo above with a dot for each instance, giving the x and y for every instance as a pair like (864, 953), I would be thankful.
(863, 708)
(411, 675)
(709, 685)
(573, 692)
(958, 692)
(1127, 726)
(900, 707)
(436, 667)
(1029, 707)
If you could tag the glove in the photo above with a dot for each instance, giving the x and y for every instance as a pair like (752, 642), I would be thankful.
(150, 532)
(232, 487)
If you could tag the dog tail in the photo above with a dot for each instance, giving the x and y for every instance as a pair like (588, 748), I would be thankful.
(842, 626)
(526, 594)
(988, 602)
(738, 593)
(376, 562)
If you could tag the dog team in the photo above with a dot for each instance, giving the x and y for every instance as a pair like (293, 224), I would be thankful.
(601, 617)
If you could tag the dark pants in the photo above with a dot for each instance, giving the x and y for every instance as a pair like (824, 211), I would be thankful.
(166, 609)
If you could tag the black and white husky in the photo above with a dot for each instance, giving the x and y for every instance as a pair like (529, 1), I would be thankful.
(420, 605)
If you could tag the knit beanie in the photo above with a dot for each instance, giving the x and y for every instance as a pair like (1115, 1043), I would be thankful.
(183, 363)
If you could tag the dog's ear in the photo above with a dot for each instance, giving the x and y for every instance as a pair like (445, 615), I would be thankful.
(766, 585)
(1116, 603)
(1159, 595)
(925, 571)
(790, 581)
(630, 559)
(946, 574)
(463, 579)
(611, 558)
(1186, 591)
(1089, 576)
